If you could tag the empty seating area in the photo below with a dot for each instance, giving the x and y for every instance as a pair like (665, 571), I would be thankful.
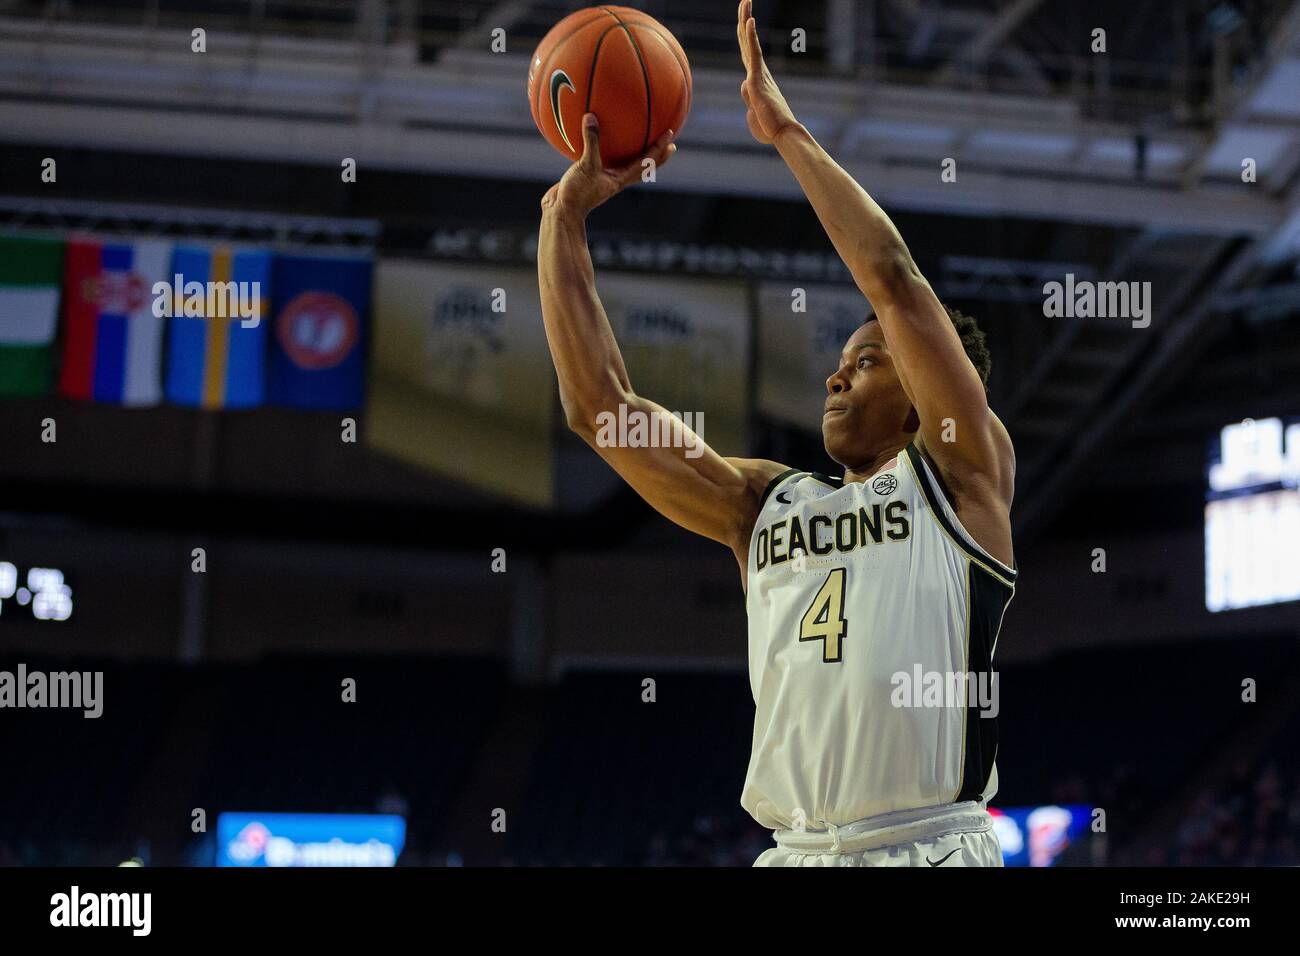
(615, 778)
(285, 740)
(1126, 730)
(70, 779)
(615, 771)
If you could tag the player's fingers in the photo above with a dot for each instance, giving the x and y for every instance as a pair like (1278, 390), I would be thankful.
(629, 172)
(658, 154)
(744, 92)
(755, 58)
(659, 150)
(750, 51)
(590, 142)
(740, 32)
(666, 144)
(664, 154)
(657, 158)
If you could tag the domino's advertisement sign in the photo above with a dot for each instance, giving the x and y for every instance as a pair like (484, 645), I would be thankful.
(1036, 836)
(309, 839)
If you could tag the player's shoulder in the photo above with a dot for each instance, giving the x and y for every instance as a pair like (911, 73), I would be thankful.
(761, 476)
(957, 472)
(1003, 439)
(761, 473)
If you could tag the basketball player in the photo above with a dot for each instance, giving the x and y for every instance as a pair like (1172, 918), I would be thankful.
(903, 564)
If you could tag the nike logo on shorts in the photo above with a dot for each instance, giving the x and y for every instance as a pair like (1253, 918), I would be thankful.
(941, 859)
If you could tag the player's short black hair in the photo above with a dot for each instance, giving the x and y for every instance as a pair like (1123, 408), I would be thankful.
(972, 338)
(974, 341)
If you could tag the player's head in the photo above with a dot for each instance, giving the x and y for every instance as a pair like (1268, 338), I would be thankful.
(867, 409)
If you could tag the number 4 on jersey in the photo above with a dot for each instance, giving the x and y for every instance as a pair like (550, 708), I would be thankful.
(824, 620)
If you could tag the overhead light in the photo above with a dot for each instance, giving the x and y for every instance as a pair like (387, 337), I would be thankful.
(1223, 20)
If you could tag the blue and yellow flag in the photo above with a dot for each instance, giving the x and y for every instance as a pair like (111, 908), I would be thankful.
(217, 335)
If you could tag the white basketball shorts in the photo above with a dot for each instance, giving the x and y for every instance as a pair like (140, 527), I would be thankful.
(960, 834)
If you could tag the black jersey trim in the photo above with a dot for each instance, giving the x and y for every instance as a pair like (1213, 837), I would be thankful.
(771, 485)
(989, 597)
(934, 496)
(827, 479)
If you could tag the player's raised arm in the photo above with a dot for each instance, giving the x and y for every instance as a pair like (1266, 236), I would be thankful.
(688, 483)
(959, 430)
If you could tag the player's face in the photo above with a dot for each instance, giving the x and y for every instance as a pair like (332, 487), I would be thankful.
(866, 406)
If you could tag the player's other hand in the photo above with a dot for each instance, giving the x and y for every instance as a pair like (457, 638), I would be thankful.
(766, 110)
(587, 183)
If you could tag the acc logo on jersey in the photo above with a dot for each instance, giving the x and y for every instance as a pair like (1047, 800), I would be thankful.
(884, 484)
(317, 329)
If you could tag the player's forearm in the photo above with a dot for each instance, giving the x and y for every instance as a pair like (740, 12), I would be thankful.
(860, 230)
(927, 352)
(587, 360)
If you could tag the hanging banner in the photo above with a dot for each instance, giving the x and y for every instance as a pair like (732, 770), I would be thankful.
(799, 350)
(112, 335)
(31, 270)
(461, 380)
(686, 345)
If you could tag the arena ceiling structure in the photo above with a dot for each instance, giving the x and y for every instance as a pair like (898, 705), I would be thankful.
(1127, 166)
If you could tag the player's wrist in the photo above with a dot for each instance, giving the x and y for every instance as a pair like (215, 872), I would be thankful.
(789, 132)
(565, 210)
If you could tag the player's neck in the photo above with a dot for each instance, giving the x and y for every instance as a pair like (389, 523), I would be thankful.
(877, 462)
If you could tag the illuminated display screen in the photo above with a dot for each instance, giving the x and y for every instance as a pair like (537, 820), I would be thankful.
(1252, 515)
(309, 839)
(1037, 836)
(41, 594)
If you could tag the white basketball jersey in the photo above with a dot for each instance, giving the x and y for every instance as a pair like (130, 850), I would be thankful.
(870, 608)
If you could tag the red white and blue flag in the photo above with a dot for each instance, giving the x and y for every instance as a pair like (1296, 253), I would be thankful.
(112, 340)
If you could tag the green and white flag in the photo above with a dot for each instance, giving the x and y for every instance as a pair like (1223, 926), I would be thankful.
(30, 273)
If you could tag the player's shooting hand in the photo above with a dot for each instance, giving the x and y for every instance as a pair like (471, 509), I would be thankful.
(586, 184)
(766, 110)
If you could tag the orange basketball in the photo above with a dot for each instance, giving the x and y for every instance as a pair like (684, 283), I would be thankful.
(618, 63)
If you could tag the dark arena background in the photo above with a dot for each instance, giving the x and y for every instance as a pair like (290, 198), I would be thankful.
(365, 600)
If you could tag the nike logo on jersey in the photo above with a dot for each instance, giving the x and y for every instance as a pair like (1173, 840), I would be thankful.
(781, 497)
(941, 859)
